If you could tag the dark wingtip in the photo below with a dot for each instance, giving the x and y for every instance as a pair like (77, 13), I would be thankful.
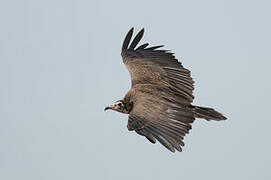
(154, 47)
(143, 46)
(137, 38)
(127, 40)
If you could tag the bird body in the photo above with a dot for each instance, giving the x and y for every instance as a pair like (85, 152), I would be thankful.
(159, 101)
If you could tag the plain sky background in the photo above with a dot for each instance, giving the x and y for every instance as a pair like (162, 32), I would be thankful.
(60, 65)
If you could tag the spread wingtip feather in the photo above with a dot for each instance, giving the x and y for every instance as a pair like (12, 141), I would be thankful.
(137, 38)
(127, 39)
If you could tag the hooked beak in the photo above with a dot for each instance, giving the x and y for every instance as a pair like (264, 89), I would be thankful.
(108, 107)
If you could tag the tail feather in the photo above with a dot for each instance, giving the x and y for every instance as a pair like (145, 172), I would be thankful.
(207, 113)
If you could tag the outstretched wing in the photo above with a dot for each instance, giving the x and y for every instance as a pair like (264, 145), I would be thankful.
(158, 67)
(163, 93)
(158, 119)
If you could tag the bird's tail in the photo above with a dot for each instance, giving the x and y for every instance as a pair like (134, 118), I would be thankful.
(207, 113)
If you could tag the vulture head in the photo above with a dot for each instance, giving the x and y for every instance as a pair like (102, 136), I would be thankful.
(120, 106)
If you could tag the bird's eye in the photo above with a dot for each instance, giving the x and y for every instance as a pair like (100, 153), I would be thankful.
(119, 104)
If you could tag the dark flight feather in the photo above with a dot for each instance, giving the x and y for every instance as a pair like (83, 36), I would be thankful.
(136, 39)
(127, 40)
(154, 47)
(142, 46)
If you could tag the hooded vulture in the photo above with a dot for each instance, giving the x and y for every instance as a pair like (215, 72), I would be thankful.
(159, 101)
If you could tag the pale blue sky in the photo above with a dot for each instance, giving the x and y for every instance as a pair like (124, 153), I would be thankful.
(60, 65)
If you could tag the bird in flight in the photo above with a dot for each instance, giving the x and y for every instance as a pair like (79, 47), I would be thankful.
(159, 101)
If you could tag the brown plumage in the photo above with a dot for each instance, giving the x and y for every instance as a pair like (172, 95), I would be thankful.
(159, 101)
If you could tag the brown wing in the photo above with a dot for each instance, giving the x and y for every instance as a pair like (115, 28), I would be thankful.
(158, 67)
(158, 119)
(163, 90)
